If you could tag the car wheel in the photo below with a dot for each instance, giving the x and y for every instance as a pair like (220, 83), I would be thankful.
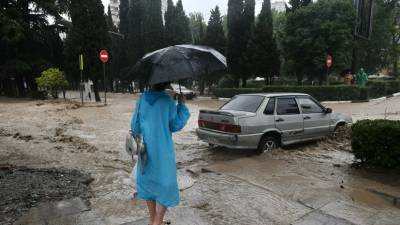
(267, 144)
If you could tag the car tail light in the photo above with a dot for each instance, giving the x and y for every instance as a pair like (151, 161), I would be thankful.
(229, 128)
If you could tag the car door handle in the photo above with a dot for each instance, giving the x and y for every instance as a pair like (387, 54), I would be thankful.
(280, 120)
(307, 117)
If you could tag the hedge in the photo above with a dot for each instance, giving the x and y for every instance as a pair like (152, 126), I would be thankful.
(376, 142)
(321, 93)
(383, 88)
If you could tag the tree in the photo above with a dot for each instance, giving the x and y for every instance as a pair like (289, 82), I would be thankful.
(135, 39)
(314, 31)
(197, 28)
(88, 35)
(153, 26)
(176, 25)
(297, 4)
(215, 35)
(263, 52)
(28, 42)
(247, 35)
(235, 43)
(52, 79)
(375, 54)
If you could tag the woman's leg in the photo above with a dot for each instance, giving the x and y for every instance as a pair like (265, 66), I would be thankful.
(151, 205)
(160, 212)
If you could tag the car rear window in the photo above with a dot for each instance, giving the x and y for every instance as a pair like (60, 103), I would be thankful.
(245, 103)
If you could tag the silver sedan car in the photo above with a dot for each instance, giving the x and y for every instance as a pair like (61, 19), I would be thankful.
(267, 121)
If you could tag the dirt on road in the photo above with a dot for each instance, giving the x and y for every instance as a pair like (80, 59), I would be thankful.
(301, 184)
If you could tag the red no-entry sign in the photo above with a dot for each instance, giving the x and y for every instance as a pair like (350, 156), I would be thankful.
(104, 56)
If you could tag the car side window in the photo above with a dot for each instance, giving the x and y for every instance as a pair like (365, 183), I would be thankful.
(270, 108)
(309, 106)
(287, 106)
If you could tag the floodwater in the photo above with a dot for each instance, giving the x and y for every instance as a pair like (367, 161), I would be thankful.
(311, 183)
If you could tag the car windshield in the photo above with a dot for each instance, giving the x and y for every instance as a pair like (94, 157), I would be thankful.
(245, 103)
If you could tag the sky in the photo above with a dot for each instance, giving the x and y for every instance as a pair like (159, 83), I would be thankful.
(204, 6)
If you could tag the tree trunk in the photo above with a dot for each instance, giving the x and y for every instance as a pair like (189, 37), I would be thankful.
(244, 82)
(237, 81)
(299, 79)
(20, 86)
(96, 90)
(202, 86)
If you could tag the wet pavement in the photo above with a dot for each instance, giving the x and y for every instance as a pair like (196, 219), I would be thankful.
(312, 183)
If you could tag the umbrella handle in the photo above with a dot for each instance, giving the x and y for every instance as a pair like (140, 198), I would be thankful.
(180, 89)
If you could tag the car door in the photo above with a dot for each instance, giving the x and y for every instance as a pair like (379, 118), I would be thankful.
(316, 121)
(288, 119)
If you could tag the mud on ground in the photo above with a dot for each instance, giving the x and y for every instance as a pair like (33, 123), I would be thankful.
(230, 186)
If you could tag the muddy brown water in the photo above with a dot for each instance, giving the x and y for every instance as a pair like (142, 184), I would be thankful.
(288, 186)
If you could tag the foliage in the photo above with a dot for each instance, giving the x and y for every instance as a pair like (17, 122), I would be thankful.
(87, 36)
(321, 93)
(316, 30)
(376, 142)
(197, 28)
(153, 29)
(297, 4)
(176, 25)
(262, 49)
(383, 88)
(375, 53)
(52, 79)
(28, 42)
(215, 36)
(226, 82)
(247, 35)
(235, 42)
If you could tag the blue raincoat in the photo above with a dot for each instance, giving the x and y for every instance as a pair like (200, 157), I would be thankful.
(159, 116)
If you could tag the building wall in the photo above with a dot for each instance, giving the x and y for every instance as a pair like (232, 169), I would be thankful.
(279, 6)
(114, 5)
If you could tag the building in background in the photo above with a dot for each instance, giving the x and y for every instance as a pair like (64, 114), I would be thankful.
(114, 6)
(279, 6)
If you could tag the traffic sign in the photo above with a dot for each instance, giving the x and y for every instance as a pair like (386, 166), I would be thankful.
(329, 61)
(104, 56)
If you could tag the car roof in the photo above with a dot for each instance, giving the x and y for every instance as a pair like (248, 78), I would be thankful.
(276, 94)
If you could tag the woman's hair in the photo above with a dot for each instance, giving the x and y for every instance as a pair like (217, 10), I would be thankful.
(160, 86)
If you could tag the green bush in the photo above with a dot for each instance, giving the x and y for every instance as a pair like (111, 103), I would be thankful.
(230, 92)
(37, 95)
(53, 80)
(226, 82)
(381, 88)
(376, 142)
(255, 84)
(322, 93)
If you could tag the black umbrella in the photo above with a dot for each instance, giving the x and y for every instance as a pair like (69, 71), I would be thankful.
(176, 63)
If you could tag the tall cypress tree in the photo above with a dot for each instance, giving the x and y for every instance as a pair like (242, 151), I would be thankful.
(263, 53)
(177, 29)
(215, 36)
(170, 24)
(235, 41)
(135, 31)
(88, 35)
(248, 26)
(110, 22)
(153, 26)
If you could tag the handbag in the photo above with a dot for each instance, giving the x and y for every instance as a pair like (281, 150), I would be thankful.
(138, 140)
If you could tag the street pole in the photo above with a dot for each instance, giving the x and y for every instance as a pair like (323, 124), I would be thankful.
(327, 76)
(81, 72)
(104, 82)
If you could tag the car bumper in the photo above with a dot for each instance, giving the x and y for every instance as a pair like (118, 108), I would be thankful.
(234, 141)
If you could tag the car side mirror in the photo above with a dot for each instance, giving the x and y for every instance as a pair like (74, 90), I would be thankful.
(328, 110)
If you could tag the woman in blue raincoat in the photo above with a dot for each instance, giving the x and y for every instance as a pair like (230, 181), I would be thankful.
(159, 116)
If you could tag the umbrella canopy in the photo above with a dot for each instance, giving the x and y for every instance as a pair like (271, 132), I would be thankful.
(176, 63)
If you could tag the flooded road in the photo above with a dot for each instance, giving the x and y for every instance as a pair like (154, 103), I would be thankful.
(312, 183)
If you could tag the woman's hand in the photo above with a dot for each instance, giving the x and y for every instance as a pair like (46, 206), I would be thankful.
(181, 99)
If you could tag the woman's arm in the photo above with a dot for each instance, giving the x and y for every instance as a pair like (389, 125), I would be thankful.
(180, 116)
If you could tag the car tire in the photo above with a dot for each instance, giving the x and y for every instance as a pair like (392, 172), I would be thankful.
(267, 144)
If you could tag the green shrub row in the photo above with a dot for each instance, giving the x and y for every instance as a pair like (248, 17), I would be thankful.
(376, 142)
(321, 93)
(383, 88)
